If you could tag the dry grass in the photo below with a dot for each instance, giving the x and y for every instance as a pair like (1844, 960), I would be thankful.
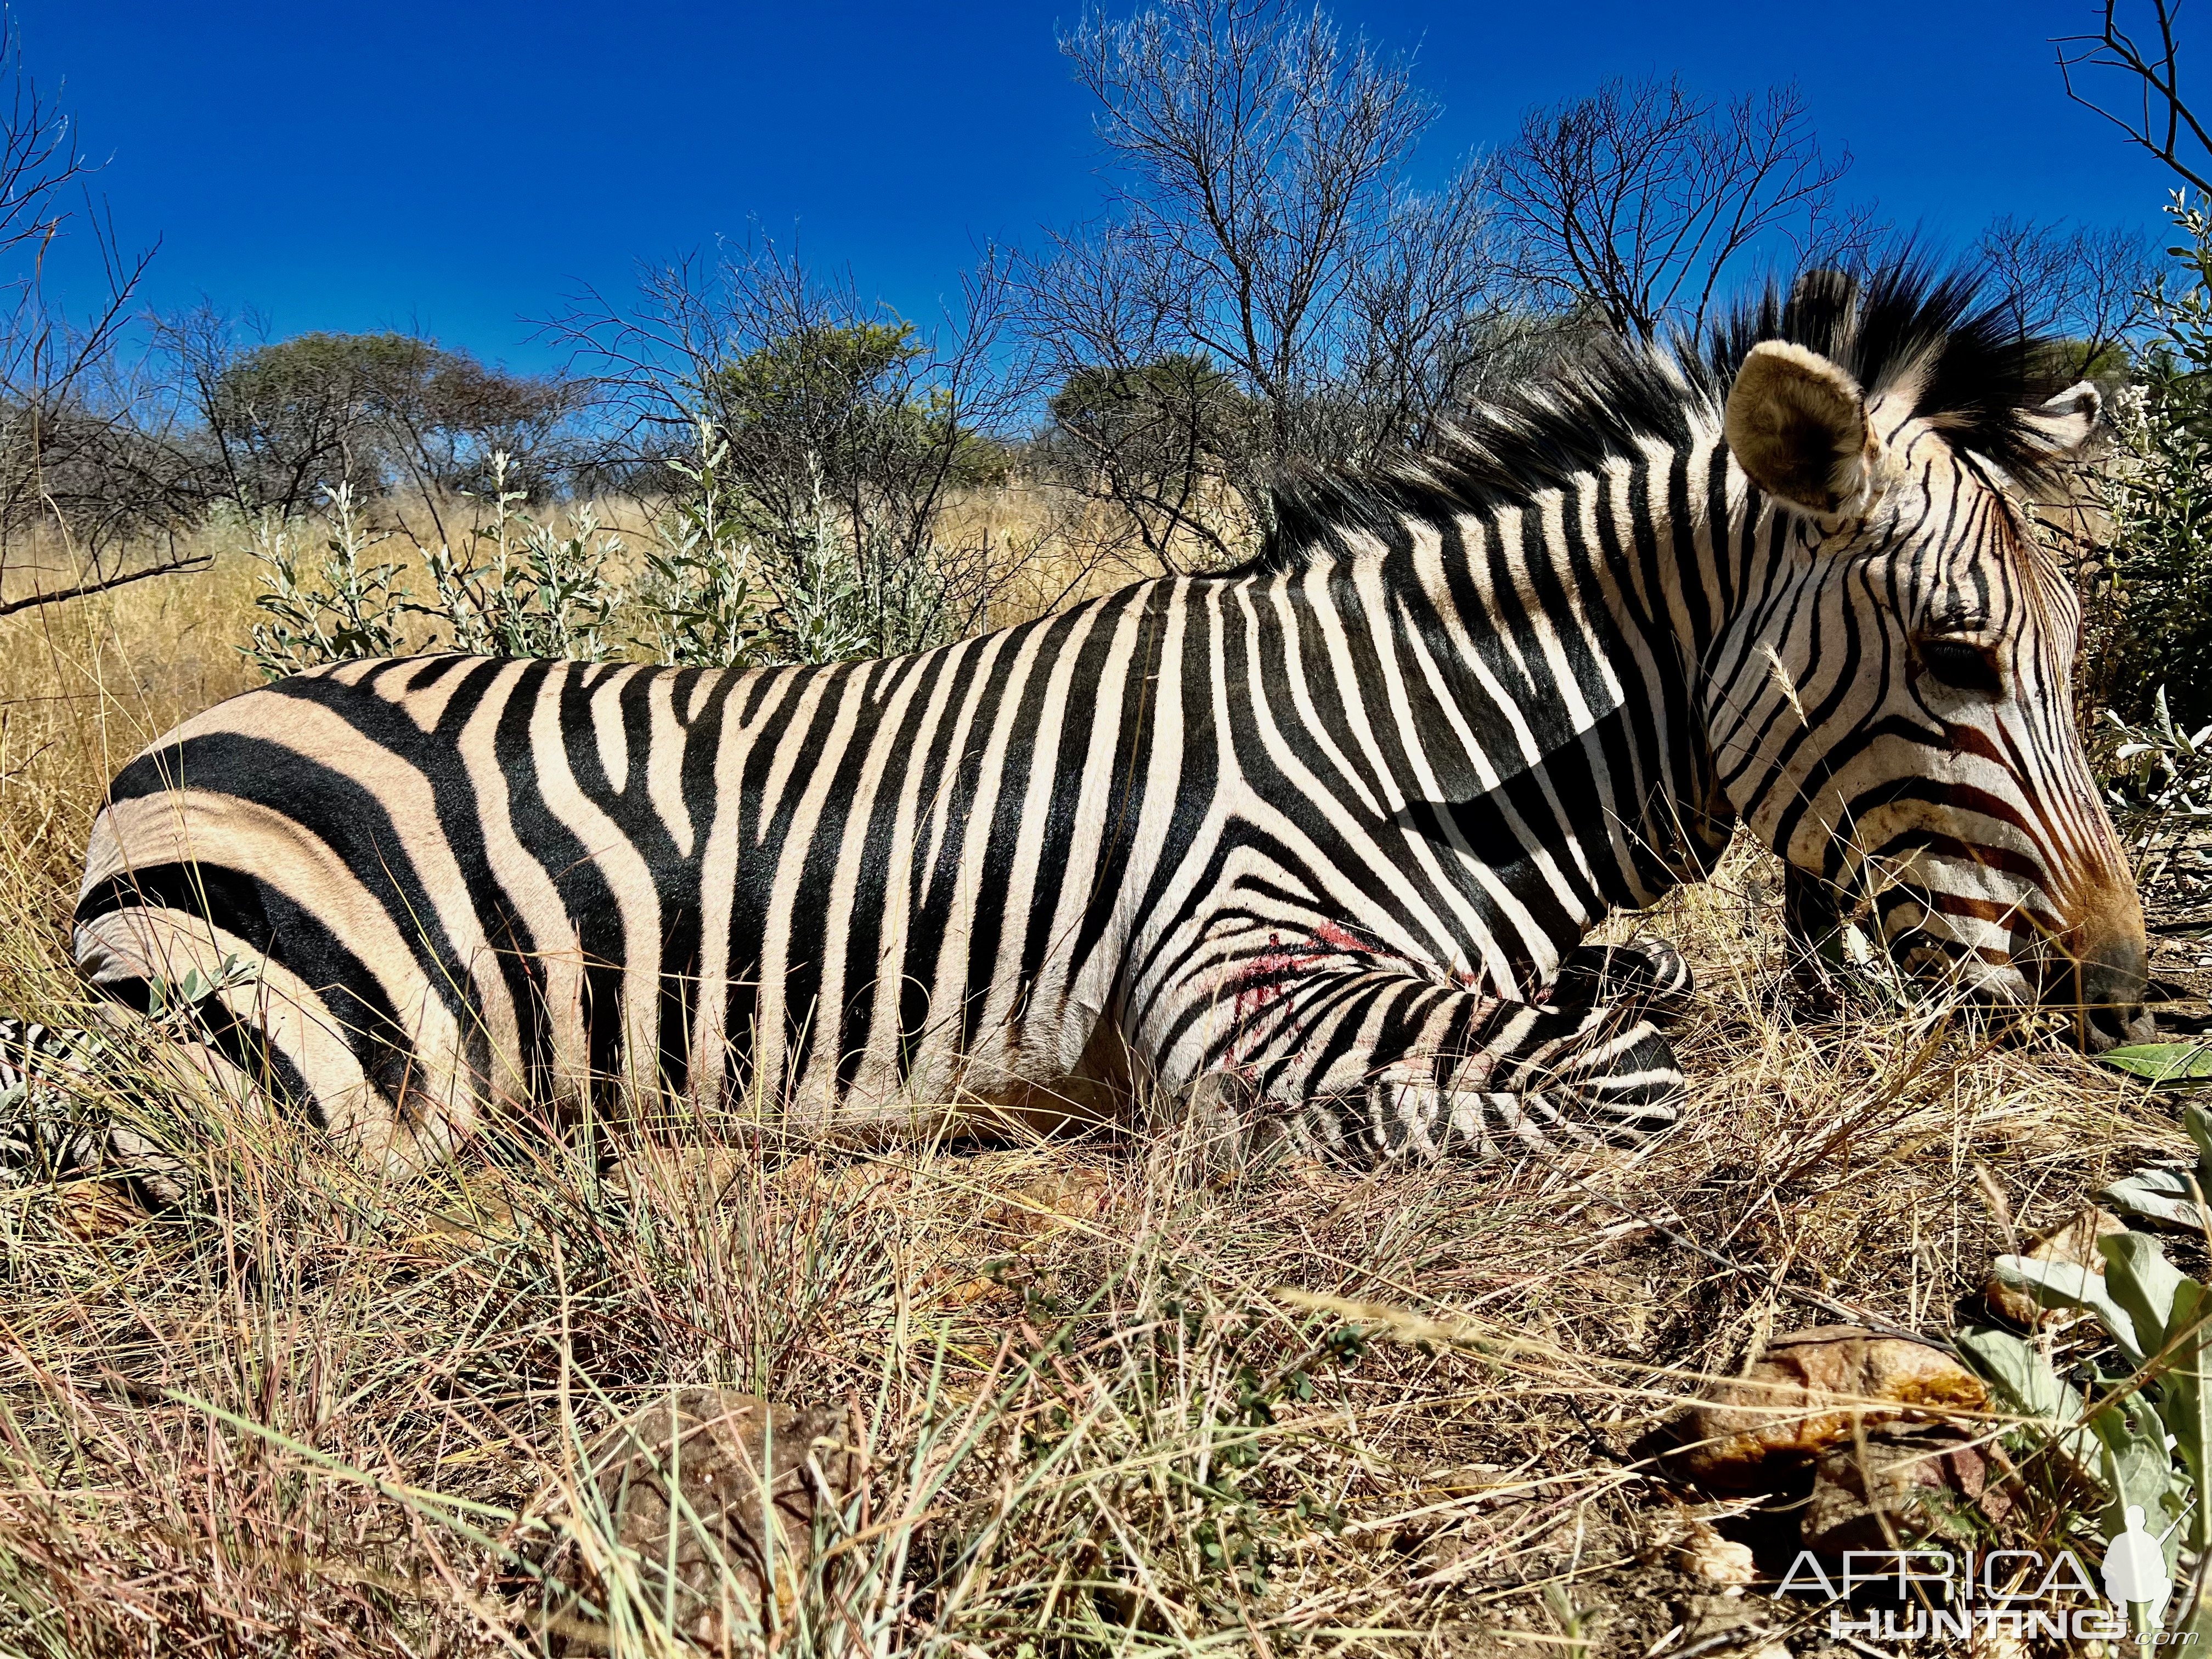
(1109, 1405)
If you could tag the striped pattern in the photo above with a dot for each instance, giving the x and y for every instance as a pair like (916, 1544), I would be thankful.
(1324, 832)
(40, 1134)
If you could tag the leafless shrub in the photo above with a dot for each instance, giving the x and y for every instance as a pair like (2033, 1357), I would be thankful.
(1638, 199)
(1268, 285)
(76, 466)
(2090, 289)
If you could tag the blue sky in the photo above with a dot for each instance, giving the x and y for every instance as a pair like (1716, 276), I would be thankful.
(460, 166)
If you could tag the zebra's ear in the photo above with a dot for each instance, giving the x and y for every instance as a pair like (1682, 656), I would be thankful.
(2066, 424)
(1797, 425)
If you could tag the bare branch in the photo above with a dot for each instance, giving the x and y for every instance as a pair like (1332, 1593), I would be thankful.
(1638, 199)
(1265, 241)
(2151, 110)
(171, 568)
(2086, 290)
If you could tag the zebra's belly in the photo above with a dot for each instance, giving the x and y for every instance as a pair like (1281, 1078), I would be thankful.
(1031, 1076)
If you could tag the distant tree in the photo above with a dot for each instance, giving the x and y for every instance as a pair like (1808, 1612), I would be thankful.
(287, 420)
(443, 421)
(1262, 222)
(293, 418)
(843, 403)
(1638, 199)
(2088, 290)
(1153, 439)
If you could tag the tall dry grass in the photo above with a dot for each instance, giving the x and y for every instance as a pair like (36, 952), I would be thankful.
(1110, 1401)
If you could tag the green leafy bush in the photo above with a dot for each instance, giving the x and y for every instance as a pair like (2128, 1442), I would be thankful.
(516, 588)
(2139, 1436)
(519, 589)
(351, 603)
(2151, 626)
(2158, 781)
(718, 588)
(704, 604)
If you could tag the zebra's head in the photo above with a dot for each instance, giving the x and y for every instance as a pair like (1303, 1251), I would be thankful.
(1890, 701)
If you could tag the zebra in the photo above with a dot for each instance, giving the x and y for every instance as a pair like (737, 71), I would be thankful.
(1318, 836)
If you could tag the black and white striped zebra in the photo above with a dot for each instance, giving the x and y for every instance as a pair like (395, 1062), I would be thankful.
(1324, 831)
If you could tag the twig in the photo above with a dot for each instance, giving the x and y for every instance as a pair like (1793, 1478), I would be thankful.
(2157, 72)
(177, 568)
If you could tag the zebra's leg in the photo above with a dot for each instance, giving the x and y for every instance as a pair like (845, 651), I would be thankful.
(1378, 1066)
(1813, 911)
(1649, 975)
(46, 1132)
(56, 1123)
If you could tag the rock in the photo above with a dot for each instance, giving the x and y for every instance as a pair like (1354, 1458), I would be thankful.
(2076, 1241)
(1812, 1389)
(1702, 1553)
(752, 1476)
(1898, 1485)
(97, 1210)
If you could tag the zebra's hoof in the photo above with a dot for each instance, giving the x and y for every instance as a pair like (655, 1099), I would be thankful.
(1650, 976)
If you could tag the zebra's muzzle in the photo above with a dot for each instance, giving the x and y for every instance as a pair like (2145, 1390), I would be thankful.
(2103, 989)
(1992, 953)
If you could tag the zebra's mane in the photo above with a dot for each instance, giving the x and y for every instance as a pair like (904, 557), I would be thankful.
(1909, 328)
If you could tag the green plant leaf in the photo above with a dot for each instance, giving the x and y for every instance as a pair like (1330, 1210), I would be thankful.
(2140, 1279)
(2198, 1122)
(2068, 1285)
(2021, 1374)
(2185, 1393)
(2137, 1467)
(2026, 1381)
(2164, 1065)
(2160, 1196)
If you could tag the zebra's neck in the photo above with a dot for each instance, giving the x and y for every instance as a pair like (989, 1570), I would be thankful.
(1549, 660)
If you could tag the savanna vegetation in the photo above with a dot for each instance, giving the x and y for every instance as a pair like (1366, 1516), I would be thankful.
(1099, 1398)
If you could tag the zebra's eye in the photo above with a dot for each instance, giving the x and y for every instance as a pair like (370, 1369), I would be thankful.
(1961, 666)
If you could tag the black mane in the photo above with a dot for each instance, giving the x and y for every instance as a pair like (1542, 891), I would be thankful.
(1907, 321)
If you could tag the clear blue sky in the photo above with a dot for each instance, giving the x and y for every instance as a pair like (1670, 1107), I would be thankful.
(459, 166)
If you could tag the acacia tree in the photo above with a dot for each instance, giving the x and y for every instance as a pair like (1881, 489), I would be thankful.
(1262, 226)
(284, 421)
(1636, 201)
